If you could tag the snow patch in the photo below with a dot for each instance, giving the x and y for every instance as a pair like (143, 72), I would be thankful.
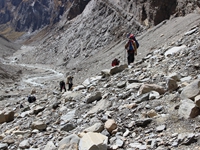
(174, 50)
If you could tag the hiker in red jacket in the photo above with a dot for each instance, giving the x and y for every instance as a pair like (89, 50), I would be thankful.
(131, 48)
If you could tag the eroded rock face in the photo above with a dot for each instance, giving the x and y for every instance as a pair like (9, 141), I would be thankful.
(32, 15)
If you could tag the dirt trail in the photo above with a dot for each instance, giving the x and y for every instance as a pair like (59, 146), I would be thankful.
(35, 74)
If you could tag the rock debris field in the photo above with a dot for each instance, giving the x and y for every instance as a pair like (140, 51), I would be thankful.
(151, 104)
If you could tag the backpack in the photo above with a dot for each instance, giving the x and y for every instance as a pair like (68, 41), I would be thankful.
(131, 47)
(136, 42)
(115, 62)
(133, 37)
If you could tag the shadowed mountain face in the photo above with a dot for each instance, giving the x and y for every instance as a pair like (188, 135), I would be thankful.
(31, 15)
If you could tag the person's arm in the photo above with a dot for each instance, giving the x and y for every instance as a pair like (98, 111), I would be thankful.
(126, 45)
(135, 47)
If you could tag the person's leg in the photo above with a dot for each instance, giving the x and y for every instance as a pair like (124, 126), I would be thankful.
(64, 87)
(61, 86)
(129, 58)
(132, 57)
(70, 86)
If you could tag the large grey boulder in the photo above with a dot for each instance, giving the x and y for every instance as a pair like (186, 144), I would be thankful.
(146, 88)
(191, 90)
(114, 70)
(188, 109)
(93, 141)
(93, 97)
(69, 141)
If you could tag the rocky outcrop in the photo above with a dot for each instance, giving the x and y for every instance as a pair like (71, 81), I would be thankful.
(32, 15)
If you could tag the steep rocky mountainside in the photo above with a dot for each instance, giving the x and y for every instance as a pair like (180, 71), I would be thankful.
(31, 15)
(102, 25)
(153, 104)
(7, 73)
(34, 14)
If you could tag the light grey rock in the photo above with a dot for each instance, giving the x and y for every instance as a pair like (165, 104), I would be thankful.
(176, 76)
(174, 50)
(142, 98)
(97, 127)
(101, 105)
(188, 109)
(121, 84)
(160, 128)
(93, 97)
(91, 141)
(197, 100)
(69, 116)
(192, 90)
(38, 109)
(145, 88)
(153, 95)
(67, 127)
(71, 139)
(40, 125)
(50, 146)
(3, 146)
(171, 84)
(135, 86)
(24, 144)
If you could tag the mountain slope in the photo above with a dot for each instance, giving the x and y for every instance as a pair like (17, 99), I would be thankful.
(160, 119)
(7, 73)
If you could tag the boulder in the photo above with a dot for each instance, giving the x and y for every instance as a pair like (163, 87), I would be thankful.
(93, 97)
(93, 141)
(69, 141)
(113, 70)
(145, 88)
(40, 125)
(110, 125)
(171, 84)
(191, 90)
(50, 146)
(197, 100)
(97, 127)
(6, 116)
(188, 109)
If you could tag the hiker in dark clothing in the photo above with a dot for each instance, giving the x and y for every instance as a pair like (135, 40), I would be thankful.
(62, 86)
(131, 48)
(69, 82)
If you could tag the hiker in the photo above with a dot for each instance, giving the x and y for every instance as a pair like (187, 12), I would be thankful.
(62, 86)
(70, 82)
(115, 62)
(131, 48)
